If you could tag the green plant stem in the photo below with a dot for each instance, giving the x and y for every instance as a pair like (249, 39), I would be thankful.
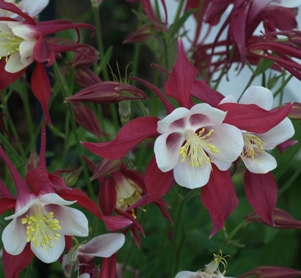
(99, 40)
(233, 233)
(66, 93)
(177, 17)
(174, 253)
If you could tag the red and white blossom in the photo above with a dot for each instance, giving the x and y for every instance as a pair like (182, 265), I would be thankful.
(191, 140)
(254, 154)
(43, 221)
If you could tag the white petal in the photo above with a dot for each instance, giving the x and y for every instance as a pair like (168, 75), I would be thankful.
(258, 95)
(210, 115)
(33, 7)
(54, 199)
(191, 177)
(26, 51)
(72, 221)
(278, 134)
(102, 246)
(84, 275)
(228, 99)
(166, 150)
(229, 142)
(24, 31)
(261, 164)
(66, 265)
(49, 255)
(14, 63)
(175, 121)
(21, 210)
(186, 274)
(14, 237)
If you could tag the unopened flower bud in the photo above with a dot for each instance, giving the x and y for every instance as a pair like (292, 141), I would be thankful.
(33, 162)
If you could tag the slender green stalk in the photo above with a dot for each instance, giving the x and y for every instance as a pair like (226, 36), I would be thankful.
(66, 93)
(177, 17)
(233, 233)
(99, 40)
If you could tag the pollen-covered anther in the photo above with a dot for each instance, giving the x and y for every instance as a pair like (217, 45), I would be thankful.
(41, 228)
(252, 145)
(11, 43)
(196, 147)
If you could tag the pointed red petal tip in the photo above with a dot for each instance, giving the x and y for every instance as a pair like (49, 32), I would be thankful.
(262, 192)
(271, 272)
(180, 81)
(128, 136)
(282, 220)
(219, 197)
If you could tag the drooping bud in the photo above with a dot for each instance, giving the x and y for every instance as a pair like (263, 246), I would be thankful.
(107, 92)
(281, 219)
(271, 272)
(72, 177)
(86, 118)
(142, 34)
(106, 167)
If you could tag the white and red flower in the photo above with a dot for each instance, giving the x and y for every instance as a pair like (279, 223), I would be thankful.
(43, 221)
(191, 140)
(254, 154)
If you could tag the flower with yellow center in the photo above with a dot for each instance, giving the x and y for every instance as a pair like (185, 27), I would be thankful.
(43, 222)
(17, 41)
(191, 140)
(254, 153)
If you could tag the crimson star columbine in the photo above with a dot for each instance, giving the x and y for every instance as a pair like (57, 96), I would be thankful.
(254, 154)
(192, 139)
(43, 221)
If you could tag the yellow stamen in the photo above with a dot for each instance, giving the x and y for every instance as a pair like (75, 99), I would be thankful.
(196, 146)
(42, 228)
(252, 145)
(11, 44)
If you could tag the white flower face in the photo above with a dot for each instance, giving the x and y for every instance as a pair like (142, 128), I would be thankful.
(17, 42)
(43, 223)
(191, 140)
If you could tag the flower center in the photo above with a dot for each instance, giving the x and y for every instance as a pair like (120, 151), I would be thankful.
(11, 43)
(196, 146)
(41, 227)
(252, 145)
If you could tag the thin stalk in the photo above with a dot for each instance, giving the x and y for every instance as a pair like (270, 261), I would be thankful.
(233, 233)
(291, 180)
(99, 40)
(66, 93)
(177, 17)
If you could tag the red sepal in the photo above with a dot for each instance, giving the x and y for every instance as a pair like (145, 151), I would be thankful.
(179, 83)
(7, 78)
(261, 191)
(252, 118)
(128, 136)
(41, 88)
(13, 265)
(219, 197)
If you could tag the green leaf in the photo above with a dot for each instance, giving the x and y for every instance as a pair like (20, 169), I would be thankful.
(105, 60)
(175, 28)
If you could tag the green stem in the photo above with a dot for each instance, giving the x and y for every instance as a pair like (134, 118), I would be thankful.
(174, 253)
(99, 40)
(66, 93)
(233, 233)
(177, 17)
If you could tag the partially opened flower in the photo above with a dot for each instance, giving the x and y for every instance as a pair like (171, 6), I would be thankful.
(191, 140)
(254, 154)
(103, 246)
(211, 271)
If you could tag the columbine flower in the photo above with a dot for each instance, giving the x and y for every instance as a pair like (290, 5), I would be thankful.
(254, 154)
(43, 221)
(17, 41)
(211, 270)
(103, 246)
(191, 140)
